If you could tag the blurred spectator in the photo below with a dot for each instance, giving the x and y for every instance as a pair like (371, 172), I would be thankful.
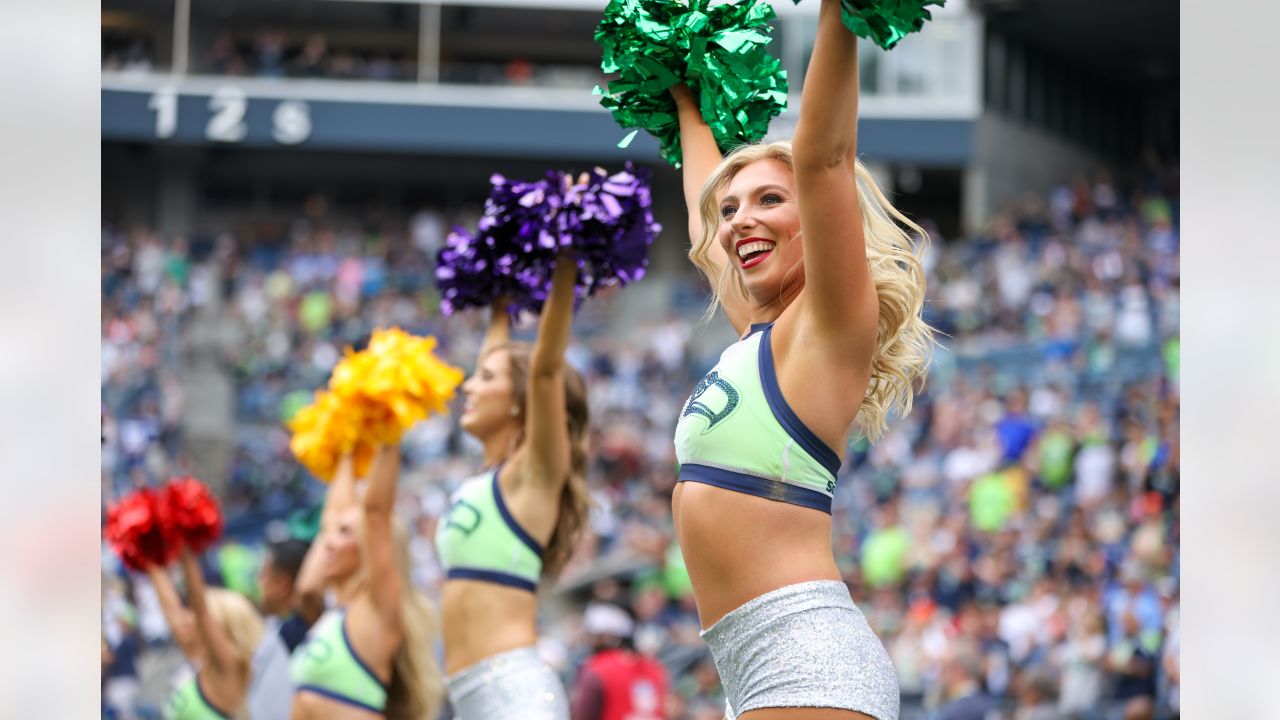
(1170, 662)
(121, 644)
(133, 58)
(1015, 429)
(1080, 658)
(1134, 668)
(225, 57)
(1036, 699)
(884, 552)
(963, 695)
(279, 602)
(313, 60)
(269, 48)
(616, 682)
(519, 71)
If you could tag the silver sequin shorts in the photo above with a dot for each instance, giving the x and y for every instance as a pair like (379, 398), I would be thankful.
(803, 645)
(514, 685)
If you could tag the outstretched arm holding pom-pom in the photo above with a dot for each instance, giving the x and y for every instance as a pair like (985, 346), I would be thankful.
(386, 631)
(499, 331)
(176, 615)
(340, 495)
(840, 305)
(148, 529)
(221, 655)
(229, 629)
(701, 156)
(546, 464)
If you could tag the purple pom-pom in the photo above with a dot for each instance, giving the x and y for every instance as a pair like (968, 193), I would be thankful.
(606, 224)
(463, 273)
(616, 226)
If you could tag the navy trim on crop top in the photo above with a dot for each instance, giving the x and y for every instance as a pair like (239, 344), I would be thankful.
(510, 519)
(356, 656)
(767, 488)
(492, 576)
(787, 417)
(205, 699)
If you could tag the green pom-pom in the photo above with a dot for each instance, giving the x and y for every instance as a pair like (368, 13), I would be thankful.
(719, 52)
(885, 22)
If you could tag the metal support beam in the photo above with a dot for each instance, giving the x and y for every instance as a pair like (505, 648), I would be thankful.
(181, 36)
(429, 43)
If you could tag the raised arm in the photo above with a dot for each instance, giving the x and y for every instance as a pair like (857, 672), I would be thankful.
(342, 490)
(310, 585)
(379, 540)
(499, 330)
(546, 455)
(701, 156)
(221, 652)
(840, 299)
(175, 614)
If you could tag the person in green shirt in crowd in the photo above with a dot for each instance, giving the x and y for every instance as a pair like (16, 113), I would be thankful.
(315, 311)
(1172, 351)
(1056, 450)
(884, 553)
(991, 502)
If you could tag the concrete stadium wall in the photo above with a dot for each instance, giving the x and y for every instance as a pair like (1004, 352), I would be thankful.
(1010, 160)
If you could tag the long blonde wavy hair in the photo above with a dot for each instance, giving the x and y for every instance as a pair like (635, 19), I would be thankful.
(236, 616)
(417, 687)
(904, 342)
(416, 691)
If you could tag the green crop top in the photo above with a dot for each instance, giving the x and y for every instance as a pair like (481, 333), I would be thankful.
(480, 540)
(190, 703)
(737, 432)
(327, 665)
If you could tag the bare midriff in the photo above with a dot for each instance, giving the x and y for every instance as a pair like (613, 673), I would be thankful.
(483, 619)
(738, 546)
(310, 706)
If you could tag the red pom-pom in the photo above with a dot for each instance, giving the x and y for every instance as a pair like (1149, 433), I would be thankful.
(139, 530)
(194, 512)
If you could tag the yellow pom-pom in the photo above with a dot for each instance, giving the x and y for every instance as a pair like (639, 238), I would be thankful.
(319, 435)
(374, 396)
(401, 372)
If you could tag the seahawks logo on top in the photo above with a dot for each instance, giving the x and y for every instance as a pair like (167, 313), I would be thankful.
(463, 516)
(713, 398)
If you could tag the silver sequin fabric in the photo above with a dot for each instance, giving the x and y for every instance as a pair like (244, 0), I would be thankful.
(514, 685)
(803, 645)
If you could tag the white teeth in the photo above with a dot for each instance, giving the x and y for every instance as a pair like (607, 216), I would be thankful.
(752, 247)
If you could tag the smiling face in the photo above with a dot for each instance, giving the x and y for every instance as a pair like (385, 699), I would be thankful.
(489, 396)
(760, 229)
(340, 545)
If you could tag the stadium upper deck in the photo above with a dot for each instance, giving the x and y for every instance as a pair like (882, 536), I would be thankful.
(978, 109)
(424, 77)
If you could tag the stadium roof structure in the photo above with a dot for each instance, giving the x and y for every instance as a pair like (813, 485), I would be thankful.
(1133, 41)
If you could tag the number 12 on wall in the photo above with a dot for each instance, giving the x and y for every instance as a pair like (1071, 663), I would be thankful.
(290, 121)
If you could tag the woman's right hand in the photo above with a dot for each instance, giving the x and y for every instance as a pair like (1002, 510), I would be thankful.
(682, 95)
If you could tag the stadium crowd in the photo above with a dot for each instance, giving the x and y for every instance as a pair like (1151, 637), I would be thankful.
(270, 53)
(1014, 541)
